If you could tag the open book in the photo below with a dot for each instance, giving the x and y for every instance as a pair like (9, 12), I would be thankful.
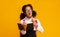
(29, 26)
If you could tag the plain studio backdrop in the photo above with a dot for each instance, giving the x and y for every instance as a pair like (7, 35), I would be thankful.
(48, 12)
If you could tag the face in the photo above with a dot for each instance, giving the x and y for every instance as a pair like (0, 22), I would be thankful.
(28, 11)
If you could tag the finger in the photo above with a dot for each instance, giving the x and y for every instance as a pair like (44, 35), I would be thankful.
(32, 19)
(24, 22)
(36, 21)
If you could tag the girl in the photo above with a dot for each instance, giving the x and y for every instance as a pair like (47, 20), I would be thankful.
(28, 22)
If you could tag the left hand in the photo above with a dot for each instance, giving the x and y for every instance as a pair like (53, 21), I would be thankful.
(35, 23)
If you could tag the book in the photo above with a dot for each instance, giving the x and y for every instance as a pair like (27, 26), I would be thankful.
(29, 26)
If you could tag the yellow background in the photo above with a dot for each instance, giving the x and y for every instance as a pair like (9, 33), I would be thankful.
(48, 12)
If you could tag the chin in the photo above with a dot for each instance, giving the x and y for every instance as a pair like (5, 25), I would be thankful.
(30, 16)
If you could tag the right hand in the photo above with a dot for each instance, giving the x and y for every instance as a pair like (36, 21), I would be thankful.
(24, 25)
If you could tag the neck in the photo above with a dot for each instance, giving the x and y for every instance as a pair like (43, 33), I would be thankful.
(29, 17)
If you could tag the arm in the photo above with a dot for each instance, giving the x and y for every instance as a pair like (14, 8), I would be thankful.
(22, 27)
(40, 28)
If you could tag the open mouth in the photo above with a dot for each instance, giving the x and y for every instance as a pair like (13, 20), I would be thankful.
(29, 13)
